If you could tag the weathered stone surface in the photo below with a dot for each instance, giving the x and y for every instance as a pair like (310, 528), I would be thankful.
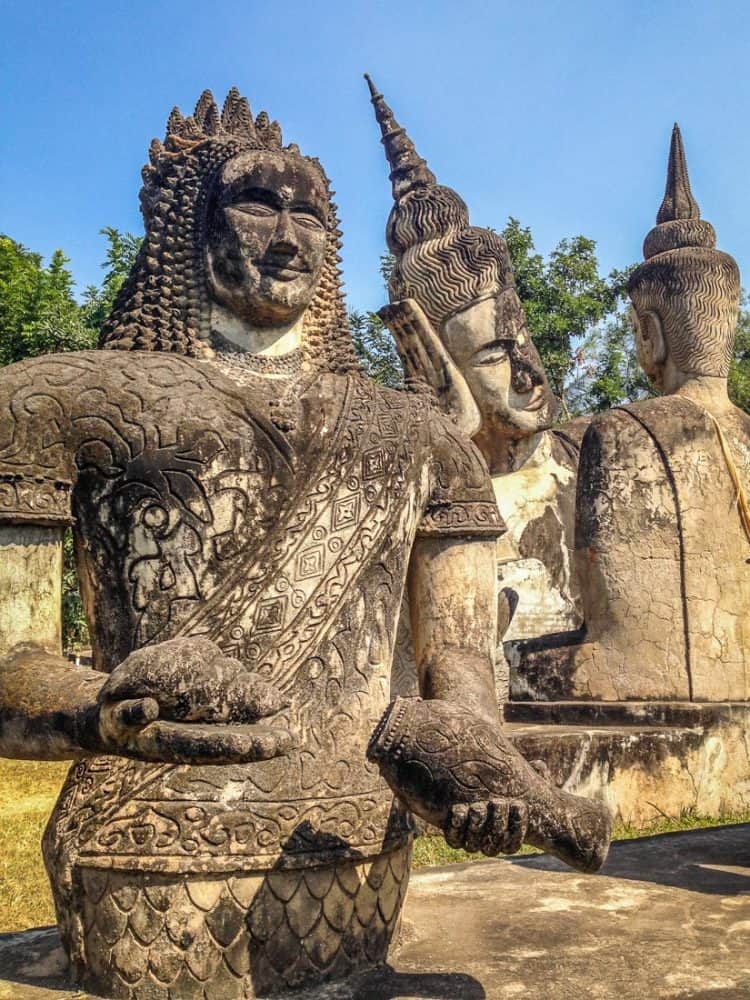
(498, 930)
(30, 586)
(644, 772)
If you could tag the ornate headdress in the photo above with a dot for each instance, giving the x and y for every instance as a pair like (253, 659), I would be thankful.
(164, 303)
(441, 260)
(693, 287)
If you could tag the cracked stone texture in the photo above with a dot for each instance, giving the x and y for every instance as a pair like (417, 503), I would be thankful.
(668, 919)
(662, 558)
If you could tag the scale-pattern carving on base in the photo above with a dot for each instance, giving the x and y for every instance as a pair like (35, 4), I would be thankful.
(238, 936)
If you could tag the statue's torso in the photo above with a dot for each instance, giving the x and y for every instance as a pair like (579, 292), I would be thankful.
(664, 555)
(195, 515)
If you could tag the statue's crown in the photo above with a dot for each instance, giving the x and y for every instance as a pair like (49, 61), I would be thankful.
(678, 221)
(408, 169)
(693, 287)
(236, 120)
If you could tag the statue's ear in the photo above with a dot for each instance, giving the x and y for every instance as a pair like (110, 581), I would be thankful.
(653, 334)
(650, 341)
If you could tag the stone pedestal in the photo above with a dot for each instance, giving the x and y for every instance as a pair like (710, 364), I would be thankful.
(668, 918)
(645, 759)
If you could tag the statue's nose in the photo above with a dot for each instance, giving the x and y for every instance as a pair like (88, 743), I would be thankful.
(284, 238)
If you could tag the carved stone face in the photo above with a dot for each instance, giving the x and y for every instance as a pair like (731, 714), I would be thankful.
(505, 377)
(266, 236)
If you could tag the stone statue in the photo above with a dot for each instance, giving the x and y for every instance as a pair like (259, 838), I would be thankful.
(247, 508)
(662, 532)
(458, 324)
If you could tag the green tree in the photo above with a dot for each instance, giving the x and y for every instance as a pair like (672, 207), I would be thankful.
(564, 297)
(122, 249)
(739, 373)
(375, 348)
(38, 312)
(616, 375)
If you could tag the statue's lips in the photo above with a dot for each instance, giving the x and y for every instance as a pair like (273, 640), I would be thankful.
(281, 272)
(537, 399)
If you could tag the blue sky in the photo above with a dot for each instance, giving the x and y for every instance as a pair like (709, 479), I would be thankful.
(558, 113)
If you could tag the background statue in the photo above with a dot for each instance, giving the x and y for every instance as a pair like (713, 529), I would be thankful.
(458, 324)
(662, 533)
(247, 509)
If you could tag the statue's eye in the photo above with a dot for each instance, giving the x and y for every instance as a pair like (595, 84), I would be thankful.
(308, 221)
(256, 208)
(494, 354)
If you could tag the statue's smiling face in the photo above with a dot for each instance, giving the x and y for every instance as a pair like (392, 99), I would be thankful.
(267, 230)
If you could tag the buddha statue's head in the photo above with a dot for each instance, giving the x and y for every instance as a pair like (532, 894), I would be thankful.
(686, 294)
(462, 278)
(234, 221)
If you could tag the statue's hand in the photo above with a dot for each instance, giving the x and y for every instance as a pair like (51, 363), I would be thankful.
(184, 701)
(423, 356)
(492, 826)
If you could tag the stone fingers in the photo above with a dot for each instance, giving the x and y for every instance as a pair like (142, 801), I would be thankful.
(518, 822)
(492, 826)
(453, 831)
(135, 712)
(174, 742)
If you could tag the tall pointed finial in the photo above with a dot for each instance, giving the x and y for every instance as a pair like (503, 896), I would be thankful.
(408, 169)
(678, 202)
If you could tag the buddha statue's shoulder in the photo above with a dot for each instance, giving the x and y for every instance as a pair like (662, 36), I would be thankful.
(141, 380)
(102, 367)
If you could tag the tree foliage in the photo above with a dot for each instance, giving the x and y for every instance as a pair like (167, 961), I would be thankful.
(739, 373)
(38, 312)
(564, 297)
(375, 348)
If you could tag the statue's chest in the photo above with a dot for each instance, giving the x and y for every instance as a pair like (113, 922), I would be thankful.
(167, 499)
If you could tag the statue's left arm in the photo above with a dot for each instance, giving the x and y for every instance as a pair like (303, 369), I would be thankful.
(446, 756)
(453, 608)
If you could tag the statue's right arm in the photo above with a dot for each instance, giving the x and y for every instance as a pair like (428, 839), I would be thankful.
(45, 701)
(178, 701)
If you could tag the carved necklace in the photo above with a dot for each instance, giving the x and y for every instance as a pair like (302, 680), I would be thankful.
(246, 363)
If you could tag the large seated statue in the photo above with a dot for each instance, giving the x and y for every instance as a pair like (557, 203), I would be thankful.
(247, 508)
(662, 534)
(458, 324)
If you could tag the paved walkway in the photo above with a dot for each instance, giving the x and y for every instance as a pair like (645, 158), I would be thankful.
(668, 919)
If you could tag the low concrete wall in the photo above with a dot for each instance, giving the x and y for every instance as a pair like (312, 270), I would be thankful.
(644, 772)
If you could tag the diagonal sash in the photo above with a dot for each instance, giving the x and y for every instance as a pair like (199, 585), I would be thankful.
(273, 608)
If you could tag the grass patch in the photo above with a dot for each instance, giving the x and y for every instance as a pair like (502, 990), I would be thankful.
(29, 790)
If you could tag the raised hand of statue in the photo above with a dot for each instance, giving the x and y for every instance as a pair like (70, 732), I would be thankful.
(492, 826)
(184, 701)
(424, 356)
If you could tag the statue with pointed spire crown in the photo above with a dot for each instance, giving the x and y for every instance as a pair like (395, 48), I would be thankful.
(662, 526)
(247, 510)
(458, 323)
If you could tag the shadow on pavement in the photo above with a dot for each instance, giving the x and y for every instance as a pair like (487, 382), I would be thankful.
(713, 860)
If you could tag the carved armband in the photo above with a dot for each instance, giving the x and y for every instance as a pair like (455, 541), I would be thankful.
(31, 499)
